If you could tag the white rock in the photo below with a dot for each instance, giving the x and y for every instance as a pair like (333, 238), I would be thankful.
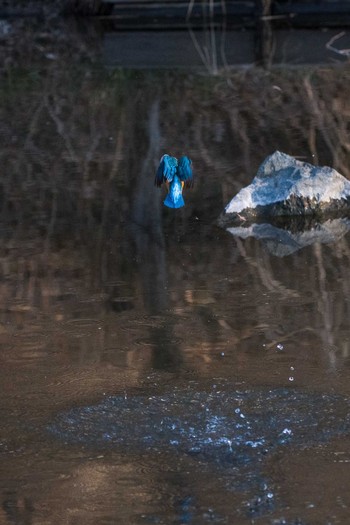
(298, 186)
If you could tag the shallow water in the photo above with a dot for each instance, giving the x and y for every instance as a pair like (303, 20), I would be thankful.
(155, 367)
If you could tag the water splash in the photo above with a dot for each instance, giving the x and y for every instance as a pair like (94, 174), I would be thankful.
(228, 426)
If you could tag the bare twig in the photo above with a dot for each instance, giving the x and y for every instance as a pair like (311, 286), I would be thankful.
(329, 45)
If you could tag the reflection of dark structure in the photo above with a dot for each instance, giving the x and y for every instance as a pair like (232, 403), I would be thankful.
(245, 13)
(150, 256)
(147, 223)
(186, 49)
(210, 33)
(88, 7)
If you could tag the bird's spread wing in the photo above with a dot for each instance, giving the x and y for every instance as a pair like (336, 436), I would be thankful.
(184, 171)
(166, 170)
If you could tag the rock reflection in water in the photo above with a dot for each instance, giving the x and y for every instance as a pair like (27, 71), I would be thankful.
(282, 242)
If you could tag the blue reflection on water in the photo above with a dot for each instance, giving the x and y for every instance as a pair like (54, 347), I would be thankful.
(226, 427)
(232, 431)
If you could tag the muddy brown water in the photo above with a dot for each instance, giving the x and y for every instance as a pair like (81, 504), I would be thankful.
(132, 337)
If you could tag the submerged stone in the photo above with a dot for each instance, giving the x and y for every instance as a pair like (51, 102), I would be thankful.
(284, 186)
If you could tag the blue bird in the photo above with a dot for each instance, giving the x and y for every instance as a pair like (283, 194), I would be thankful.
(176, 174)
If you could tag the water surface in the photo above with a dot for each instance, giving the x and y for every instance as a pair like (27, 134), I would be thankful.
(109, 296)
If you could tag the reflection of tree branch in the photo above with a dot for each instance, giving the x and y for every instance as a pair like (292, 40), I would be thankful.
(318, 112)
(28, 144)
(117, 157)
(333, 132)
(52, 221)
(33, 126)
(91, 150)
(289, 335)
(60, 127)
(203, 148)
(325, 306)
(265, 274)
(239, 127)
(312, 142)
(329, 45)
(108, 194)
(342, 251)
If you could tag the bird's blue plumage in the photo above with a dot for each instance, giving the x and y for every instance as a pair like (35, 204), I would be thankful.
(166, 170)
(176, 174)
(185, 171)
(174, 199)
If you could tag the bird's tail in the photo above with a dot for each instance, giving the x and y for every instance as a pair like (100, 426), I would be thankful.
(174, 201)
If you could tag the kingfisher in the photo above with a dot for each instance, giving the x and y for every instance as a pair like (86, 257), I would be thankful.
(176, 174)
